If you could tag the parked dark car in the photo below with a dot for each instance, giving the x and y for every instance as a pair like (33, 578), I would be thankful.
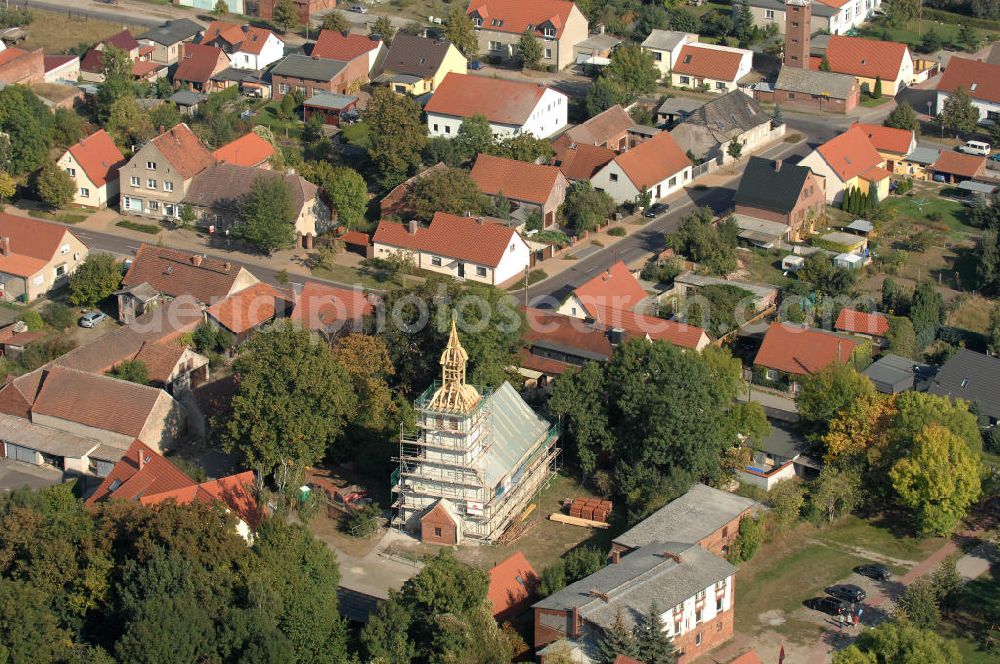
(350, 116)
(875, 571)
(655, 210)
(828, 605)
(847, 592)
(475, 65)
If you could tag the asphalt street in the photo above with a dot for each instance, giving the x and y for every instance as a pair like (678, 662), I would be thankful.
(132, 18)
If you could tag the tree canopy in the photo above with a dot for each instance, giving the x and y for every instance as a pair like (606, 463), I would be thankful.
(398, 135)
(449, 190)
(712, 245)
(95, 279)
(585, 208)
(267, 215)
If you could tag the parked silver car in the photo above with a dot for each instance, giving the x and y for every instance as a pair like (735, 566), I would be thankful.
(92, 318)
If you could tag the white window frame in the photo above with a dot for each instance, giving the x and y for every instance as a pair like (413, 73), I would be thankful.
(71, 171)
(84, 192)
(136, 181)
(769, 14)
(150, 183)
(150, 165)
(168, 185)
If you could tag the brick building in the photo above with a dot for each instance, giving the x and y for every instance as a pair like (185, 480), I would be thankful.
(818, 90)
(304, 9)
(784, 193)
(310, 76)
(20, 66)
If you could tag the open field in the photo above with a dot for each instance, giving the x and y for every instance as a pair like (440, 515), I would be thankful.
(60, 31)
(981, 607)
(913, 31)
(972, 313)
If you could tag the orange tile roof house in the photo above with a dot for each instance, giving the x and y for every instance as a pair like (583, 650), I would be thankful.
(558, 24)
(657, 165)
(579, 161)
(348, 46)
(957, 166)
(718, 67)
(792, 351)
(893, 144)
(532, 187)
(980, 79)
(247, 150)
(198, 65)
(248, 46)
(143, 67)
(615, 288)
(93, 164)
(173, 273)
(331, 310)
(849, 160)
(476, 248)
(246, 311)
(871, 325)
(155, 180)
(35, 257)
(868, 60)
(18, 66)
(607, 129)
(512, 586)
(511, 107)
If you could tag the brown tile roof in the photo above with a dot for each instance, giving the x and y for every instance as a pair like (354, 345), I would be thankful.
(96, 401)
(235, 492)
(608, 125)
(579, 161)
(860, 322)
(123, 40)
(512, 585)
(850, 154)
(515, 16)
(231, 33)
(653, 161)
(415, 56)
(98, 156)
(140, 68)
(888, 139)
(585, 338)
(200, 62)
(174, 272)
(55, 61)
(867, 58)
(481, 240)
(499, 100)
(10, 337)
(333, 45)
(980, 79)
(714, 63)
(247, 150)
(518, 180)
(254, 40)
(160, 359)
(140, 471)
(248, 308)
(222, 185)
(615, 288)
(801, 350)
(958, 163)
(322, 306)
(33, 244)
(653, 327)
(183, 150)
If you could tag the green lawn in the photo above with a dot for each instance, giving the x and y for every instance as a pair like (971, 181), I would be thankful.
(979, 607)
(365, 277)
(151, 229)
(871, 102)
(873, 535)
(268, 115)
(922, 206)
(913, 31)
(357, 134)
(764, 267)
(71, 216)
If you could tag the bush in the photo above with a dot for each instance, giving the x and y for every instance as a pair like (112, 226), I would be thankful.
(32, 319)
(748, 541)
(58, 315)
(662, 271)
(363, 521)
(991, 440)
(617, 231)
(786, 499)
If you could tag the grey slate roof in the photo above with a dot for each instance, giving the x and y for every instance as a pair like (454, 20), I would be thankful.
(718, 121)
(239, 75)
(695, 515)
(861, 226)
(302, 66)
(924, 154)
(172, 32)
(417, 56)
(25, 433)
(222, 185)
(664, 40)
(641, 577)
(971, 376)
(783, 441)
(330, 100)
(811, 82)
(679, 105)
(892, 374)
(516, 429)
(187, 98)
(764, 186)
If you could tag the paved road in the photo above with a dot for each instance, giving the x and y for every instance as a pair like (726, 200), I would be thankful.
(131, 18)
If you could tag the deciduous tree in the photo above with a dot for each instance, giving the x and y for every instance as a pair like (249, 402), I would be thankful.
(460, 32)
(96, 278)
(346, 190)
(134, 371)
(836, 492)
(116, 67)
(927, 313)
(899, 642)
(903, 117)
(450, 190)
(220, 9)
(336, 21)
(603, 94)
(475, 136)
(54, 186)
(585, 208)
(958, 113)
(826, 392)
(285, 16)
(529, 49)
(633, 70)
(383, 28)
(267, 215)
(579, 397)
(398, 135)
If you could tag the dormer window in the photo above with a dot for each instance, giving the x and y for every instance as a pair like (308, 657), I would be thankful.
(497, 23)
(478, 22)
(550, 32)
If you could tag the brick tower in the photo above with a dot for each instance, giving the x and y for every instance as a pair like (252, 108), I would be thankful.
(798, 27)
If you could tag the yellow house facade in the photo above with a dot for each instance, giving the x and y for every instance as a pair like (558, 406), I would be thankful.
(417, 65)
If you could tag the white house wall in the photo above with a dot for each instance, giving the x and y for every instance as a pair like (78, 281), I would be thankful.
(984, 107)
(273, 50)
(834, 185)
(623, 190)
(688, 613)
(550, 115)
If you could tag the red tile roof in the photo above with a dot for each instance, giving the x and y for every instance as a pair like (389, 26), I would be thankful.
(653, 161)
(123, 40)
(861, 322)
(140, 471)
(183, 150)
(322, 306)
(33, 244)
(8, 337)
(547, 327)
(867, 58)
(231, 33)
(850, 154)
(980, 79)
(247, 150)
(609, 125)
(579, 161)
(616, 288)
(512, 585)
(355, 238)
(334, 45)
(199, 63)
(141, 68)
(653, 327)
(801, 350)
(888, 139)
(98, 156)
(699, 60)
(160, 359)
(518, 180)
(176, 272)
(959, 163)
(53, 62)
(482, 241)
(254, 40)
(499, 100)
(250, 307)
(515, 15)
(235, 491)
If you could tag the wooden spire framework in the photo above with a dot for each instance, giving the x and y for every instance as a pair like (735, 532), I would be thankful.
(454, 395)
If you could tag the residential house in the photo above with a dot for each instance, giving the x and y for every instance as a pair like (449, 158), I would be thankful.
(614, 288)
(223, 34)
(35, 257)
(156, 179)
(331, 310)
(893, 144)
(173, 273)
(873, 326)
(247, 46)
(513, 584)
(818, 90)
(849, 161)
(558, 24)
(144, 476)
(715, 68)
(780, 456)
(305, 10)
(215, 195)
(675, 110)
(198, 65)
(869, 61)
(328, 106)
(61, 68)
(473, 248)
(310, 75)
(579, 161)
(348, 46)
(694, 589)
(957, 167)
(248, 150)
(93, 164)
(790, 352)
(246, 311)
(658, 166)
(18, 66)
(232, 6)
(596, 49)
(708, 131)
(780, 192)
(666, 45)
(836, 17)
(394, 204)
(980, 79)
(144, 68)
(417, 65)
(531, 187)
(608, 129)
(511, 107)
(973, 377)
(168, 40)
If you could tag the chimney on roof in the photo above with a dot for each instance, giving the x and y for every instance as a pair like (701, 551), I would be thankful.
(411, 226)
(594, 592)
(227, 266)
(777, 165)
(616, 556)
(142, 461)
(5, 245)
(479, 220)
(672, 556)
(196, 260)
(574, 628)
